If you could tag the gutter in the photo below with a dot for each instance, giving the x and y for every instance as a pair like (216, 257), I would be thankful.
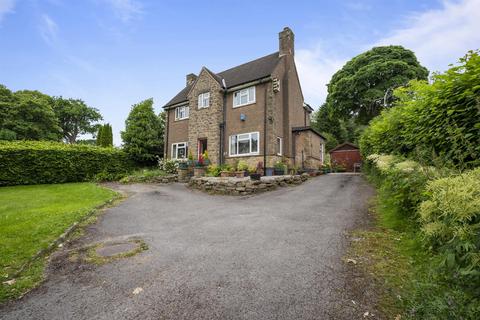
(223, 124)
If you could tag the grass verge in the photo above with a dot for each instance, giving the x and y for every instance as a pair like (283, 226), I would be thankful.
(410, 283)
(31, 218)
(144, 175)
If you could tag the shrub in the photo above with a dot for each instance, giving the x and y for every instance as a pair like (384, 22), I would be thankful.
(451, 222)
(433, 122)
(213, 170)
(167, 165)
(242, 165)
(37, 162)
(143, 175)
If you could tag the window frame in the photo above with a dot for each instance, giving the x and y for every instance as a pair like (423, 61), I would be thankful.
(279, 141)
(250, 153)
(186, 110)
(250, 100)
(175, 144)
(201, 98)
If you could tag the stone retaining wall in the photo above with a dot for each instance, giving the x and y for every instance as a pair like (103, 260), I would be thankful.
(244, 186)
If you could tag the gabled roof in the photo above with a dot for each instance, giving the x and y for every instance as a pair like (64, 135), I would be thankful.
(308, 128)
(345, 146)
(244, 73)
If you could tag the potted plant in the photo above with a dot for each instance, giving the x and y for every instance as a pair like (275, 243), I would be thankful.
(242, 169)
(225, 171)
(200, 169)
(206, 160)
(257, 172)
(190, 159)
(279, 168)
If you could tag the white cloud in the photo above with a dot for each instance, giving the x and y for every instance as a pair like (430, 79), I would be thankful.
(6, 6)
(441, 36)
(315, 68)
(126, 10)
(48, 29)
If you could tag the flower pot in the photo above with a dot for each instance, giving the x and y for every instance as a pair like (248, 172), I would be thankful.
(224, 174)
(182, 165)
(199, 171)
(240, 174)
(255, 176)
(278, 172)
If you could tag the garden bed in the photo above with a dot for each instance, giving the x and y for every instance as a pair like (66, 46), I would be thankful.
(244, 186)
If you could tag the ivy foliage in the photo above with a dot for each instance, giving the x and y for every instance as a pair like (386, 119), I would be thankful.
(40, 162)
(437, 123)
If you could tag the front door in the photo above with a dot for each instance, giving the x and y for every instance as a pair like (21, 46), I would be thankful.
(202, 146)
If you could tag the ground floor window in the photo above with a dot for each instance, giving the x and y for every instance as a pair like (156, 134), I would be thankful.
(179, 150)
(244, 144)
(279, 146)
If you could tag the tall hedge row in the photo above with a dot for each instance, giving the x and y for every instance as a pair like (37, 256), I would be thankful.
(38, 162)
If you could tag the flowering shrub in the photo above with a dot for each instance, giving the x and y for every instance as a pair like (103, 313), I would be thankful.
(450, 219)
(167, 165)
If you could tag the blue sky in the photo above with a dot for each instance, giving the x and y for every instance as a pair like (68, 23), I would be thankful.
(114, 53)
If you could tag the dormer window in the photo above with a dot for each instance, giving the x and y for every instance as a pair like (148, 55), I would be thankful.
(244, 97)
(204, 100)
(181, 113)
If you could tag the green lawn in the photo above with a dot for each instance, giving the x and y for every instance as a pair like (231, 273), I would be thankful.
(31, 217)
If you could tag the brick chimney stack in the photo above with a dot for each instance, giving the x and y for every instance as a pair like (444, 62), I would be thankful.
(191, 78)
(286, 42)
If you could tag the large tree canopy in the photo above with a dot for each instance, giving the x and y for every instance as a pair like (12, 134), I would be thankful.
(357, 90)
(75, 118)
(27, 115)
(142, 137)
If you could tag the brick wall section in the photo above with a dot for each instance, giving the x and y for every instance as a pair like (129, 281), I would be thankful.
(204, 123)
(310, 144)
(177, 131)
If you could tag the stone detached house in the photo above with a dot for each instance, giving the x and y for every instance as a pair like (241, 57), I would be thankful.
(253, 112)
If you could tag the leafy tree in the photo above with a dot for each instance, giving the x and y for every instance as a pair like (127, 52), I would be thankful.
(99, 140)
(431, 122)
(105, 136)
(28, 115)
(75, 118)
(162, 116)
(142, 137)
(358, 89)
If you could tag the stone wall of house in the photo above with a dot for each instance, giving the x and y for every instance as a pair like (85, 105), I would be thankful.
(244, 186)
(205, 123)
(308, 152)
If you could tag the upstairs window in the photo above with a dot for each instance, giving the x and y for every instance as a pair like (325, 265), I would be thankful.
(204, 100)
(244, 144)
(244, 97)
(181, 113)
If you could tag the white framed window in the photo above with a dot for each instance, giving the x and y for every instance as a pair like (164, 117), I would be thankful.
(179, 150)
(279, 146)
(244, 97)
(204, 100)
(322, 152)
(182, 112)
(244, 144)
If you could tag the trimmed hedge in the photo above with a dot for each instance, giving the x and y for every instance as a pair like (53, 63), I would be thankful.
(38, 162)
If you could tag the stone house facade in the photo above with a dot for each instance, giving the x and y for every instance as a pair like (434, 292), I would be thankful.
(253, 112)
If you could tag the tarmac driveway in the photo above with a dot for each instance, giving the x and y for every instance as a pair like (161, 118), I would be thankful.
(276, 255)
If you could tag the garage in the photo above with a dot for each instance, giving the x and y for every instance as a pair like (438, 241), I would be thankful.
(346, 155)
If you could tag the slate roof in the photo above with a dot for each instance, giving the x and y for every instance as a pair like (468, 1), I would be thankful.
(244, 73)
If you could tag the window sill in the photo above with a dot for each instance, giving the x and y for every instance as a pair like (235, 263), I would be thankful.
(181, 119)
(244, 105)
(243, 155)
